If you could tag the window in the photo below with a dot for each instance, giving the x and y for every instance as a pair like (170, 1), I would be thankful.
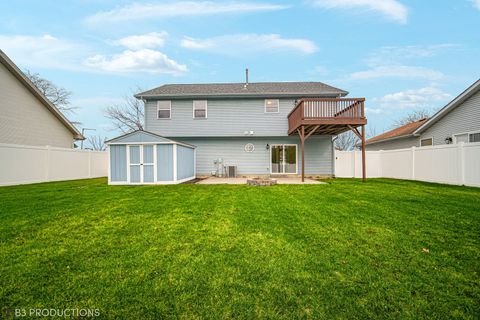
(199, 109)
(164, 109)
(474, 137)
(426, 142)
(467, 137)
(461, 138)
(272, 105)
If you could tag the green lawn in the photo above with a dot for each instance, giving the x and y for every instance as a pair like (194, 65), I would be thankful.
(342, 250)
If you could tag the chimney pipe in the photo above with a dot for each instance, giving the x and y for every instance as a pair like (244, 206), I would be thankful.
(246, 76)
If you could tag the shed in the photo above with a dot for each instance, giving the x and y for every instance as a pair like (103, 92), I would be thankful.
(142, 157)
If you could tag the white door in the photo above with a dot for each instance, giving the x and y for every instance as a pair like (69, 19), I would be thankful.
(142, 164)
(147, 164)
(135, 164)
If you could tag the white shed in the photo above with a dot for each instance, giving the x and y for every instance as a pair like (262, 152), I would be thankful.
(142, 157)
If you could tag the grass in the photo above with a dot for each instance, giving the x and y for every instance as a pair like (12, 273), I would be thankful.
(342, 250)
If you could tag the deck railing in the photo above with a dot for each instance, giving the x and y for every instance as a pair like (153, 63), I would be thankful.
(341, 109)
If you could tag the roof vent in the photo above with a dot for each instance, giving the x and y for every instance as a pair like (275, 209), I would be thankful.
(246, 78)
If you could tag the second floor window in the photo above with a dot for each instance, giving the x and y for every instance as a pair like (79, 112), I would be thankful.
(164, 109)
(272, 105)
(200, 109)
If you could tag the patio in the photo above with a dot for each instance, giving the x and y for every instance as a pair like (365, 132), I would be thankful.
(293, 180)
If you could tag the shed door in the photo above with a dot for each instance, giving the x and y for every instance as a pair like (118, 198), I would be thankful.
(148, 163)
(142, 164)
(135, 164)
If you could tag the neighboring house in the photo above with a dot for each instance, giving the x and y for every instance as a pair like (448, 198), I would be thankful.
(458, 121)
(26, 115)
(257, 127)
(398, 138)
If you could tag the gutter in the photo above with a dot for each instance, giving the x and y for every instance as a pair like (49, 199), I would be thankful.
(410, 135)
(236, 96)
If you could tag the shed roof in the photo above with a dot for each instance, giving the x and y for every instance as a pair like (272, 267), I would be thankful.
(254, 89)
(141, 136)
(5, 60)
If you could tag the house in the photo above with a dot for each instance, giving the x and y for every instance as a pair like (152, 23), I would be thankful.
(261, 129)
(27, 117)
(398, 138)
(458, 121)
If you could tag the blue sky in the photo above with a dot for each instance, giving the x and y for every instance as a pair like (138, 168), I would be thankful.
(401, 55)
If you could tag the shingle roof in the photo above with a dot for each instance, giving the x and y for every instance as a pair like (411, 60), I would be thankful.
(403, 131)
(303, 89)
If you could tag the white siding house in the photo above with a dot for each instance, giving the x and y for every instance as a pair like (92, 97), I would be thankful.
(26, 116)
(458, 121)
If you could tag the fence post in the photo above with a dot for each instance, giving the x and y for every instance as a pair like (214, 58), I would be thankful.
(48, 158)
(461, 163)
(413, 162)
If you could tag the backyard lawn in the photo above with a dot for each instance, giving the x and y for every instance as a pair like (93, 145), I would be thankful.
(383, 249)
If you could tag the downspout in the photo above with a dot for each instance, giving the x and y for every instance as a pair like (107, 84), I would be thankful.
(144, 112)
(333, 155)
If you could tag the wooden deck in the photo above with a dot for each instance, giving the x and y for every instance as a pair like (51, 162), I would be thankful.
(327, 116)
(330, 116)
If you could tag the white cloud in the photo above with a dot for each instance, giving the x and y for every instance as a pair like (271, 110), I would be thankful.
(476, 3)
(249, 43)
(397, 71)
(145, 41)
(139, 11)
(44, 51)
(374, 111)
(145, 60)
(392, 9)
(427, 97)
(394, 54)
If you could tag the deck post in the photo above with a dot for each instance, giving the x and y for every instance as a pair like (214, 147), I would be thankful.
(302, 139)
(363, 155)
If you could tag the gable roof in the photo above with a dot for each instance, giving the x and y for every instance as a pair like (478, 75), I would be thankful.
(141, 136)
(397, 133)
(5, 60)
(470, 91)
(254, 89)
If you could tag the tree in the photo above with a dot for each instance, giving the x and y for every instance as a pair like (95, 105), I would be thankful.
(58, 96)
(412, 117)
(97, 143)
(127, 116)
(346, 141)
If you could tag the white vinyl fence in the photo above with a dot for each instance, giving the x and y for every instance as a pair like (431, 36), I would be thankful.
(30, 164)
(452, 164)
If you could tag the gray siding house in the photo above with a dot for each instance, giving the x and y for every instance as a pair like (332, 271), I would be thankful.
(458, 121)
(257, 127)
(26, 115)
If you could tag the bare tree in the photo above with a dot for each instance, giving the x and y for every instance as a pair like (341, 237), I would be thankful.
(371, 132)
(97, 143)
(58, 96)
(412, 117)
(346, 141)
(127, 116)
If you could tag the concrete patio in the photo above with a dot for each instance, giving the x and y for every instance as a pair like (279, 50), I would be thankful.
(293, 180)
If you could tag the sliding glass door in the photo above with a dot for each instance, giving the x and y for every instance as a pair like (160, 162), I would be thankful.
(283, 159)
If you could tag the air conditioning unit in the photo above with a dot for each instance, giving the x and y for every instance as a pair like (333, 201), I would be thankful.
(232, 171)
